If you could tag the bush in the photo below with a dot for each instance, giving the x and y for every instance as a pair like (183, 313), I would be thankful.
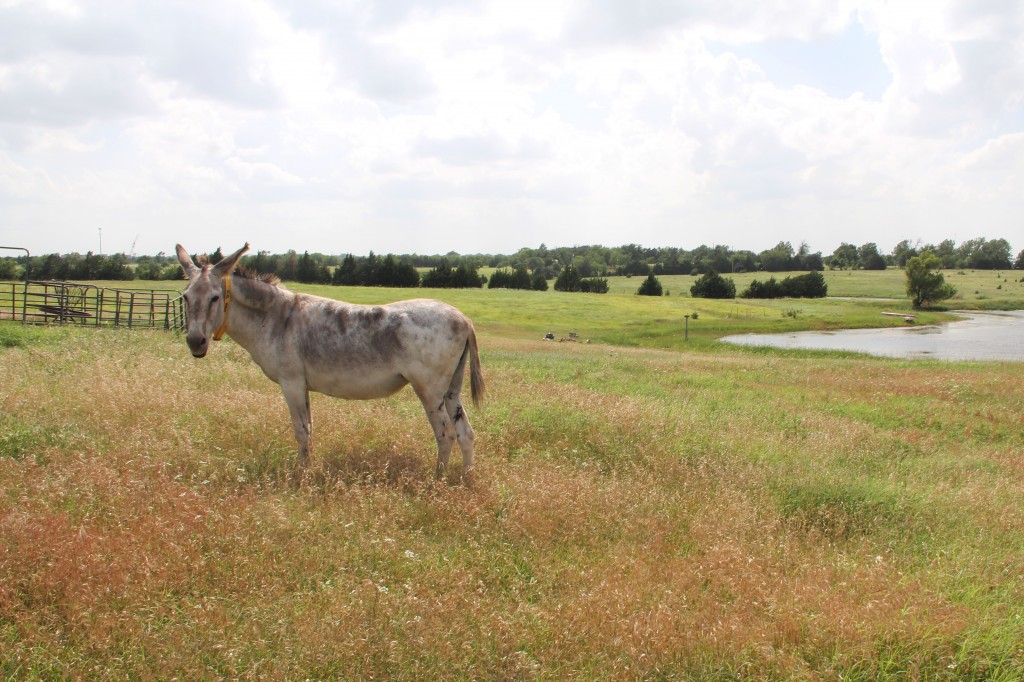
(594, 285)
(924, 283)
(811, 285)
(511, 279)
(446, 277)
(9, 269)
(713, 285)
(569, 280)
(374, 272)
(650, 287)
(766, 289)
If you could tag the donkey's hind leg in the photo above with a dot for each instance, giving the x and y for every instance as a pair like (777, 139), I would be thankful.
(463, 431)
(441, 422)
(453, 405)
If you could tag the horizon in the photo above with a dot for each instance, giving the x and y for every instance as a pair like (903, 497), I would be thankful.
(918, 247)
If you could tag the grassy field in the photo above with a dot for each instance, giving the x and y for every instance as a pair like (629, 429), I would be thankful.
(644, 508)
(978, 289)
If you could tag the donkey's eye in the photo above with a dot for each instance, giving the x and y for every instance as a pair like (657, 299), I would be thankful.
(214, 299)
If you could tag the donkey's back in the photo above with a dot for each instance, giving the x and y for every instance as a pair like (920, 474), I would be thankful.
(360, 352)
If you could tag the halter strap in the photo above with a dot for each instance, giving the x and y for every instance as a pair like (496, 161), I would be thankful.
(227, 301)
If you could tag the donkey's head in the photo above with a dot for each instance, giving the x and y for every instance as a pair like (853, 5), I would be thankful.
(206, 297)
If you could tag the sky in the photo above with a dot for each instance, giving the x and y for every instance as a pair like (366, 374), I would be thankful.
(480, 126)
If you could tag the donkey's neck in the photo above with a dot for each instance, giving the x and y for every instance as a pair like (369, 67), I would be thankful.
(255, 303)
(256, 294)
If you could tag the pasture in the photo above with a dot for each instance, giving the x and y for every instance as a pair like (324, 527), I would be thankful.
(644, 507)
(978, 289)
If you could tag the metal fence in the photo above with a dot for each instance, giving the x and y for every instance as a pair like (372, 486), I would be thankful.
(84, 304)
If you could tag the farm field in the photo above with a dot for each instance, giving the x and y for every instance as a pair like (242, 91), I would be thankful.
(644, 507)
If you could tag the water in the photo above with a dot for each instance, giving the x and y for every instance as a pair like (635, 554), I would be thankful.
(980, 336)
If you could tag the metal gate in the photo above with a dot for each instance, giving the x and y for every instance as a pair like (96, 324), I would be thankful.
(33, 302)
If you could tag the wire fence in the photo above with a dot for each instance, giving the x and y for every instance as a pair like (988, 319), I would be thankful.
(34, 302)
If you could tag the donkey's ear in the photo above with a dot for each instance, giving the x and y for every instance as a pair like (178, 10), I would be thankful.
(228, 264)
(186, 262)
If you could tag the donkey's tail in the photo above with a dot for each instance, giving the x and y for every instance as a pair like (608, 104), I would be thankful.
(476, 377)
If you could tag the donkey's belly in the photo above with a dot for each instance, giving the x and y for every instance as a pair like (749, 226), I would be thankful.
(357, 388)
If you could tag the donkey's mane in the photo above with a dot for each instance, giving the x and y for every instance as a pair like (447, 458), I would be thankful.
(266, 277)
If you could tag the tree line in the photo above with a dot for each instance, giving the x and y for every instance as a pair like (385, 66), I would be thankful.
(589, 263)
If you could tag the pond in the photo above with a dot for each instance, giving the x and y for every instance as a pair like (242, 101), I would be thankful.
(979, 336)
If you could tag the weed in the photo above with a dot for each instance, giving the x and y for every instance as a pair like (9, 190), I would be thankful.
(638, 512)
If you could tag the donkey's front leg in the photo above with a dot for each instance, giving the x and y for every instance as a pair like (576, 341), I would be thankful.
(296, 394)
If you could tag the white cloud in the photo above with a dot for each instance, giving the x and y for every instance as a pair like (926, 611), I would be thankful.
(483, 125)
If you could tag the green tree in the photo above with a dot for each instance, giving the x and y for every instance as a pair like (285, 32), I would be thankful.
(925, 284)
(805, 260)
(846, 256)
(1019, 263)
(811, 285)
(594, 285)
(903, 252)
(9, 269)
(346, 273)
(306, 271)
(510, 279)
(444, 276)
(713, 285)
(947, 252)
(767, 289)
(568, 279)
(870, 258)
(777, 259)
(440, 277)
(650, 287)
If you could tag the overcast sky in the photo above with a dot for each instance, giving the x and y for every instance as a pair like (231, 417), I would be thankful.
(474, 126)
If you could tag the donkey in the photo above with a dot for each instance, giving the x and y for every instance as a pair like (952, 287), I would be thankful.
(308, 343)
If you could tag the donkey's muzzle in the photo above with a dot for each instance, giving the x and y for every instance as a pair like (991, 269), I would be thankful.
(198, 345)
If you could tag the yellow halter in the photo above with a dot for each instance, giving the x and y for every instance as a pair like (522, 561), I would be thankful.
(227, 301)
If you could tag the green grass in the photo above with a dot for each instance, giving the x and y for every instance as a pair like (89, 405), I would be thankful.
(638, 320)
(978, 289)
(622, 318)
(644, 508)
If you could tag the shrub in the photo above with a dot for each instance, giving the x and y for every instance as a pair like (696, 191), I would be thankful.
(594, 285)
(713, 285)
(650, 287)
(570, 280)
(444, 276)
(766, 289)
(924, 283)
(811, 285)
(511, 279)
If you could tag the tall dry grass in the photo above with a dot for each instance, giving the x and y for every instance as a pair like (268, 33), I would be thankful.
(636, 515)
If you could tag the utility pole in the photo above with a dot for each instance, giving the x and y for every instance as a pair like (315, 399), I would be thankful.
(101, 241)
